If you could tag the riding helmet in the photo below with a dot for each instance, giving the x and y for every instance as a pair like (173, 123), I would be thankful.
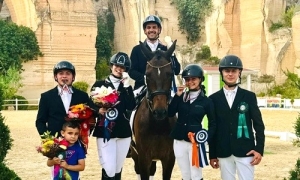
(193, 70)
(230, 61)
(64, 65)
(121, 59)
(153, 19)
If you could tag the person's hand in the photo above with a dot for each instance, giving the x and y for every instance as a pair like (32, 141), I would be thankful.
(180, 90)
(64, 164)
(102, 111)
(256, 158)
(214, 163)
(56, 160)
(125, 79)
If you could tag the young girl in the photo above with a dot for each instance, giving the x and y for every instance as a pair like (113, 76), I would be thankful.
(74, 160)
(192, 105)
(112, 151)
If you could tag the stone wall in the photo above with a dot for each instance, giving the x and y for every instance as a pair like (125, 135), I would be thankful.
(66, 30)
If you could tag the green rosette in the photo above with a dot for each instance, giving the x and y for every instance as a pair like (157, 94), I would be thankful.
(242, 125)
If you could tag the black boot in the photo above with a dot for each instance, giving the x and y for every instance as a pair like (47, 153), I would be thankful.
(118, 176)
(105, 176)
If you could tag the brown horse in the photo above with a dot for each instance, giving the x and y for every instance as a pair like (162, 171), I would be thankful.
(151, 125)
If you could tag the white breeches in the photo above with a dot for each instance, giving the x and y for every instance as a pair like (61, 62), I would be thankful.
(183, 154)
(112, 154)
(241, 165)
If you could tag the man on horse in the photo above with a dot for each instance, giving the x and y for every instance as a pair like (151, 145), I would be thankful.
(152, 29)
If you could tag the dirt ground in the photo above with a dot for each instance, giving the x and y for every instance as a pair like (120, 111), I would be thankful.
(279, 158)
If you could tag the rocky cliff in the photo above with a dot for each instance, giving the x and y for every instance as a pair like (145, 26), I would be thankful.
(67, 30)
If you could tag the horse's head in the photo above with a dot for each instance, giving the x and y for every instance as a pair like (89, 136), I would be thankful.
(159, 80)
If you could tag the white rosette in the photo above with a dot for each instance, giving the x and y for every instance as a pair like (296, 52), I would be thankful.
(201, 137)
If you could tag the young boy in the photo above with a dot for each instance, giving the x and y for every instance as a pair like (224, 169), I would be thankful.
(75, 156)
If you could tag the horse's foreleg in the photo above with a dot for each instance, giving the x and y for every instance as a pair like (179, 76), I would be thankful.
(153, 168)
(167, 166)
(144, 167)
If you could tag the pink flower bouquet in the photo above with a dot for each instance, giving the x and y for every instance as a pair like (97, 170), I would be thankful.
(105, 97)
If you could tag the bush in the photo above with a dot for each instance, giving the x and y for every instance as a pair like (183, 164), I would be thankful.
(5, 139)
(21, 100)
(81, 85)
(275, 26)
(6, 173)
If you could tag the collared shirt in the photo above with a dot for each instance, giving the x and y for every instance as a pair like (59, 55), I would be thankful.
(66, 96)
(153, 46)
(230, 95)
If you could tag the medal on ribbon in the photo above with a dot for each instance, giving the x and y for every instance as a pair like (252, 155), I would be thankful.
(201, 137)
(242, 125)
(110, 116)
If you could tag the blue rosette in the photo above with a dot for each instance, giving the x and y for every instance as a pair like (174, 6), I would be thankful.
(110, 116)
(201, 137)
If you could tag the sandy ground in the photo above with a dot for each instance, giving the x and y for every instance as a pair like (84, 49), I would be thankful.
(279, 158)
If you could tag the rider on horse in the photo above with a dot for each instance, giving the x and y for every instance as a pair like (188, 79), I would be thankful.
(152, 29)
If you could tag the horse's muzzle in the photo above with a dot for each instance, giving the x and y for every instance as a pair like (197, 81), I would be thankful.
(160, 114)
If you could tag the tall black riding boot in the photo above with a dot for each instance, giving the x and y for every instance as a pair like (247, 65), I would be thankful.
(105, 176)
(118, 176)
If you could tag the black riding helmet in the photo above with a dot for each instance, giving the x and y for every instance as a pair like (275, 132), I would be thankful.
(121, 59)
(231, 61)
(153, 19)
(193, 70)
(64, 65)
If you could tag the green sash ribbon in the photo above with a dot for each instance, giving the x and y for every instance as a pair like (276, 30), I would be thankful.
(242, 125)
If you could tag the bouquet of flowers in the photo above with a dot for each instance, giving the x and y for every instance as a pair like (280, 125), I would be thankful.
(51, 146)
(79, 112)
(84, 115)
(105, 97)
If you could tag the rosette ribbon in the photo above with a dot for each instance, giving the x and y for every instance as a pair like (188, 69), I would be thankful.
(110, 116)
(242, 125)
(201, 137)
(195, 155)
(59, 172)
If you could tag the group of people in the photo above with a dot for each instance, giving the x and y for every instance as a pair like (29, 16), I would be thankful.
(235, 126)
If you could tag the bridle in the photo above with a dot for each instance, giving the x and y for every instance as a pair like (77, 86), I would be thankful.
(151, 95)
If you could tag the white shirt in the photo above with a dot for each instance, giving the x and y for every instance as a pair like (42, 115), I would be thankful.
(66, 97)
(230, 95)
(115, 81)
(153, 46)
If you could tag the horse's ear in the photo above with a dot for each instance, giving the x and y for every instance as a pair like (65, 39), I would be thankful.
(149, 55)
(171, 49)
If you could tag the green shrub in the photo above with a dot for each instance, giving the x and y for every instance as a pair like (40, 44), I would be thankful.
(5, 139)
(6, 173)
(275, 26)
(102, 70)
(21, 101)
(81, 85)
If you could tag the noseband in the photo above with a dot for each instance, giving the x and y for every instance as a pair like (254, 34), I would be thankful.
(151, 95)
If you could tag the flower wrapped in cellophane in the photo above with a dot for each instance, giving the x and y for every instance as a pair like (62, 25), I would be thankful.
(105, 97)
(84, 115)
(51, 146)
(79, 112)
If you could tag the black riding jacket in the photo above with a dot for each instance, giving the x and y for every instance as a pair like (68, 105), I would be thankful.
(190, 116)
(122, 127)
(139, 63)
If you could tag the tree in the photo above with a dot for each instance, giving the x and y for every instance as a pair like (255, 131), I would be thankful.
(295, 173)
(104, 43)
(5, 145)
(10, 82)
(18, 44)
